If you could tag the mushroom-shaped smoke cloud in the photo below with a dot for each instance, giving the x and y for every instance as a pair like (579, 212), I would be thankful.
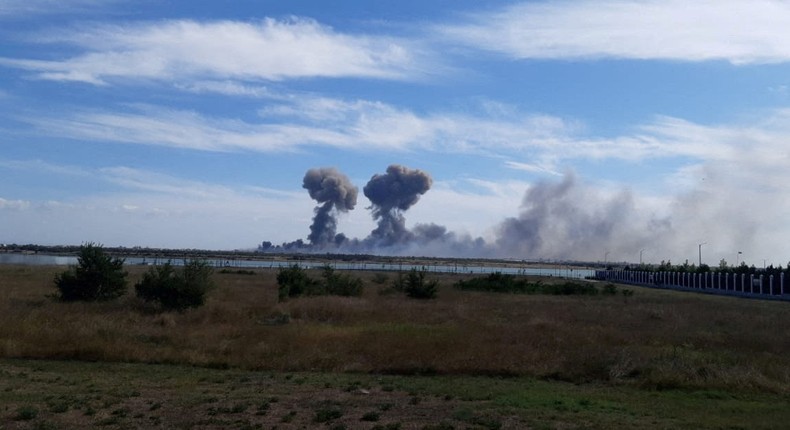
(334, 193)
(391, 194)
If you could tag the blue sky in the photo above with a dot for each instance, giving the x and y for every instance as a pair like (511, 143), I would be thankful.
(550, 129)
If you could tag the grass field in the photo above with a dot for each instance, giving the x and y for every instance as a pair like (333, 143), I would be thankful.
(657, 359)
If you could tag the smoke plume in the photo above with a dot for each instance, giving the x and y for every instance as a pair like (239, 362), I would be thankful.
(390, 195)
(334, 193)
(562, 220)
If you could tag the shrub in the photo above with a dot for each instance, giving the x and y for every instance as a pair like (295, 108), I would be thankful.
(416, 286)
(26, 413)
(341, 285)
(327, 414)
(370, 416)
(503, 283)
(176, 289)
(294, 282)
(97, 276)
(497, 282)
(380, 278)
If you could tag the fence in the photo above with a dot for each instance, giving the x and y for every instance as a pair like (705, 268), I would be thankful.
(738, 284)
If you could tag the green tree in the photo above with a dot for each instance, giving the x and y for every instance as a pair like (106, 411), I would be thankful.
(176, 289)
(340, 284)
(294, 282)
(96, 277)
(416, 286)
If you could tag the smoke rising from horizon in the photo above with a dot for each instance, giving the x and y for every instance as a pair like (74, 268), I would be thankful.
(564, 220)
(335, 193)
(559, 219)
(390, 195)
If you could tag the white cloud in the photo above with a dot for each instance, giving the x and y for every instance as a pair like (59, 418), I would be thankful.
(40, 166)
(159, 210)
(229, 88)
(737, 31)
(13, 204)
(288, 124)
(182, 50)
(14, 8)
(533, 167)
(529, 142)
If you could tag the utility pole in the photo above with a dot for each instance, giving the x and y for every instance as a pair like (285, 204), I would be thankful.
(640, 256)
(700, 252)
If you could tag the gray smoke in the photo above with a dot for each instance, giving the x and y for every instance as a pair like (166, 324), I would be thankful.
(335, 193)
(391, 194)
(558, 220)
(565, 219)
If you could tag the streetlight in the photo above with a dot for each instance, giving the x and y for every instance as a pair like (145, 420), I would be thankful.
(700, 252)
(737, 258)
(640, 256)
(606, 257)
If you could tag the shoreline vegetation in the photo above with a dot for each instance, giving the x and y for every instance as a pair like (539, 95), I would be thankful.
(179, 254)
(508, 352)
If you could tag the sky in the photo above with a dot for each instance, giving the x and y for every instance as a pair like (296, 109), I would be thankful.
(559, 130)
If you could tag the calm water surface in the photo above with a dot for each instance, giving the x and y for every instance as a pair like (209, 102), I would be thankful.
(60, 260)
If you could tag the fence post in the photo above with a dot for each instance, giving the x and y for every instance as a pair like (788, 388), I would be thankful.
(771, 281)
(761, 284)
(751, 283)
(782, 280)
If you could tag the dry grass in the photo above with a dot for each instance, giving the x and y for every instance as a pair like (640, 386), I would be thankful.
(657, 339)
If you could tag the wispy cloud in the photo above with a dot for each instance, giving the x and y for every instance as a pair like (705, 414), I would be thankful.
(15, 8)
(44, 167)
(731, 30)
(151, 208)
(533, 167)
(14, 204)
(529, 141)
(184, 50)
(291, 124)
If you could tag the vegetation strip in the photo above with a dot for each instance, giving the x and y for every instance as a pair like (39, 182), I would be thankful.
(653, 347)
(52, 394)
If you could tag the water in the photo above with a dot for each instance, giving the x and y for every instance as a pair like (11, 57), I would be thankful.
(59, 260)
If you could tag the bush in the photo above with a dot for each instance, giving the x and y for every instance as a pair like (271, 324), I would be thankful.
(26, 413)
(380, 278)
(341, 285)
(176, 289)
(504, 283)
(97, 276)
(416, 286)
(294, 282)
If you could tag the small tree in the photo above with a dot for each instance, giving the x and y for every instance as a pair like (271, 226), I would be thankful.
(341, 284)
(176, 289)
(97, 276)
(294, 282)
(417, 287)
